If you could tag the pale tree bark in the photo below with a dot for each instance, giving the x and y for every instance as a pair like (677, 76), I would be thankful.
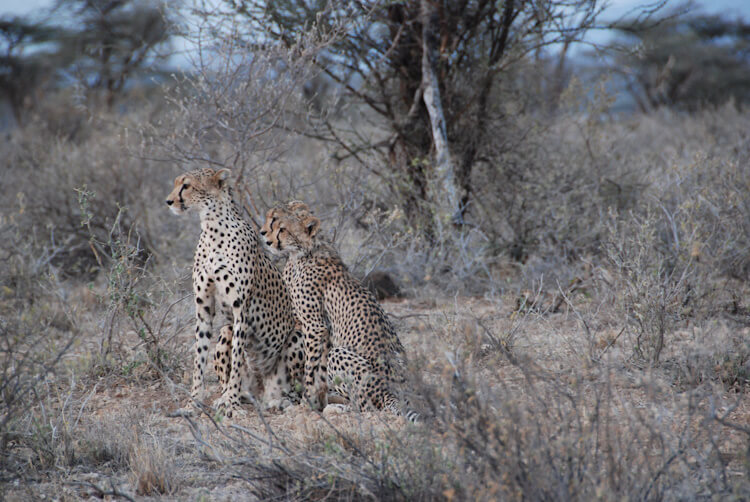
(444, 191)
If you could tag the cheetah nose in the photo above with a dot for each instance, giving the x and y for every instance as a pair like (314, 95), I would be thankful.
(170, 202)
(268, 243)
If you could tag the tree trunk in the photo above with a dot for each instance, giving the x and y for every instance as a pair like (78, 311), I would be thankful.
(445, 194)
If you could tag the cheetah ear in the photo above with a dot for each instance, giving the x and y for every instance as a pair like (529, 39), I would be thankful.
(221, 176)
(312, 225)
(297, 205)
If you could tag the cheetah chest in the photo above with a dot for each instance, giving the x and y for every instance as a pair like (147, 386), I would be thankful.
(224, 269)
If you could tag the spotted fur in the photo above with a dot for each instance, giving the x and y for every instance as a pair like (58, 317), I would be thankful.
(350, 345)
(233, 277)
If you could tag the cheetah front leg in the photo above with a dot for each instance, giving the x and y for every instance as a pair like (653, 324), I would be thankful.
(276, 388)
(294, 360)
(204, 318)
(230, 399)
(223, 357)
(316, 356)
(251, 382)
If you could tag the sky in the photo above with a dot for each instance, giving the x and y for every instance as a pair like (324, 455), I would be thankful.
(22, 7)
(731, 7)
(616, 7)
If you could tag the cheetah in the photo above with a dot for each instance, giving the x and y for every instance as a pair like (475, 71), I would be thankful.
(233, 276)
(349, 343)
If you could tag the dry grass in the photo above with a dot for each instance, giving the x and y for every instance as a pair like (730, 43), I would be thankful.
(535, 418)
(152, 471)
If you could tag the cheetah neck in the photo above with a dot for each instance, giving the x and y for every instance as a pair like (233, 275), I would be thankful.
(318, 249)
(220, 213)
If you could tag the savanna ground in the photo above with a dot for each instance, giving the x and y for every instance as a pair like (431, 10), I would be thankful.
(586, 337)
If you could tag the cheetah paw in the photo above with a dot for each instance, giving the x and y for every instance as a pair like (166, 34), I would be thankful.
(235, 412)
(229, 406)
(198, 397)
(336, 409)
(278, 404)
(248, 398)
(317, 402)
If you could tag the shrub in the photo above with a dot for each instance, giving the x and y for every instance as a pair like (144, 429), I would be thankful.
(30, 358)
(37, 331)
(655, 270)
(46, 168)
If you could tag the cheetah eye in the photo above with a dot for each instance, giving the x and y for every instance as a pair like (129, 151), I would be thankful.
(185, 185)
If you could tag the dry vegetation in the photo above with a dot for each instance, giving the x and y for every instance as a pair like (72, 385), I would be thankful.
(585, 336)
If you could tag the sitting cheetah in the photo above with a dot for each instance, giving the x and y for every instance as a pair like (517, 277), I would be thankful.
(366, 357)
(233, 276)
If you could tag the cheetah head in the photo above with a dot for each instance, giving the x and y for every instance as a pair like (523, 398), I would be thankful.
(290, 228)
(196, 189)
